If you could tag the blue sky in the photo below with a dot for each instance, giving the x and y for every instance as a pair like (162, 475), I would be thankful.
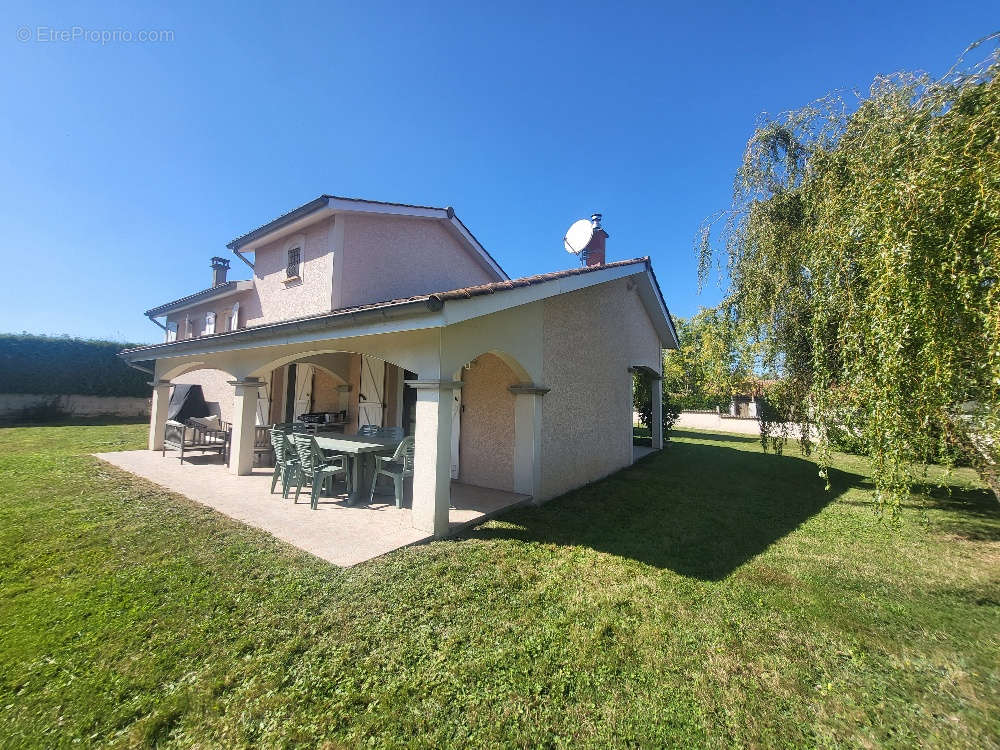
(127, 165)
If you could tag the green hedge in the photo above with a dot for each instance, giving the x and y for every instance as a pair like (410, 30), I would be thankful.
(63, 365)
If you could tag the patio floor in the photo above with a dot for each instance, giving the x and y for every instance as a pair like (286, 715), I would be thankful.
(339, 534)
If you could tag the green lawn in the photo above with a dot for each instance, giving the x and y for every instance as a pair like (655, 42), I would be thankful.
(709, 596)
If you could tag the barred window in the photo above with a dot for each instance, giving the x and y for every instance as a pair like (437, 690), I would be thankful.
(294, 261)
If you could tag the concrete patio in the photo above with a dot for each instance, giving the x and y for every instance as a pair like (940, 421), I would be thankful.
(337, 533)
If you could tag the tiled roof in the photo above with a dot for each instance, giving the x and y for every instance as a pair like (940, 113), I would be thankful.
(229, 286)
(307, 208)
(432, 301)
(502, 286)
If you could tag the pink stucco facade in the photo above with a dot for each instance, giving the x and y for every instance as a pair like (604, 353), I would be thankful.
(346, 260)
(590, 339)
(544, 364)
(310, 294)
(395, 257)
(223, 308)
(486, 442)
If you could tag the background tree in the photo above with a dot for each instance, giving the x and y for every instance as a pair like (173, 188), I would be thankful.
(862, 254)
(711, 363)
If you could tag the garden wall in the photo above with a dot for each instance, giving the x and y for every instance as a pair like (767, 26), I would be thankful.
(47, 378)
(708, 420)
(47, 406)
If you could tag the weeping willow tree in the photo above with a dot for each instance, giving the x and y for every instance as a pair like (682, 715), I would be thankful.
(861, 256)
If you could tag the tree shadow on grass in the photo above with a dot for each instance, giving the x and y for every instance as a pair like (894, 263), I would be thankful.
(699, 509)
(970, 513)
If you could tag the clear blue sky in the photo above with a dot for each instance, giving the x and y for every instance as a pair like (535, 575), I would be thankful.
(127, 165)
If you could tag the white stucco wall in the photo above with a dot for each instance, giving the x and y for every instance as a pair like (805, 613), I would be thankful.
(216, 389)
(591, 337)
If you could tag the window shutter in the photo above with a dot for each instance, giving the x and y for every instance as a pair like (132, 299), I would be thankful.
(235, 323)
(209, 323)
(188, 327)
(294, 261)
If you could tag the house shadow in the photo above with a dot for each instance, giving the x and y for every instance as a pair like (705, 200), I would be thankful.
(715, 437)
(700, 509)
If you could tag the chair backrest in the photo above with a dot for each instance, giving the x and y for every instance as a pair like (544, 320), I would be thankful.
(310, 456)
(368, 429)
(391, 433)
(404, 453)
(261, 437)
(284, 451)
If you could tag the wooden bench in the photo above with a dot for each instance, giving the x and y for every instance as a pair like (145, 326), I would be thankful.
(189, 437)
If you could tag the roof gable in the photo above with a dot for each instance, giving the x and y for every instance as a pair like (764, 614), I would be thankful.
(328, 205)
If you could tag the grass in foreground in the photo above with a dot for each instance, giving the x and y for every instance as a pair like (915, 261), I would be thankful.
(710, 595)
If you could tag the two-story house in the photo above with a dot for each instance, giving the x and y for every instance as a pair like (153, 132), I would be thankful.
(396, 315)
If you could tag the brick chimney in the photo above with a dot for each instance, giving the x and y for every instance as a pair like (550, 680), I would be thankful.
(593, 253)
(219, 268)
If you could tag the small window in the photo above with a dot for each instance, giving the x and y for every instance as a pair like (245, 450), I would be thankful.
(209, 323)
(188, 328)
(234, 319)
(294, 263)
(172, 331)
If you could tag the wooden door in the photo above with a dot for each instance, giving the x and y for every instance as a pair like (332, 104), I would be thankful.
(371, 393)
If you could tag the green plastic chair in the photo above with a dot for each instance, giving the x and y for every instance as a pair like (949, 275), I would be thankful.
(391, 433)
(398, 466)
(285, 461)
(314, 468)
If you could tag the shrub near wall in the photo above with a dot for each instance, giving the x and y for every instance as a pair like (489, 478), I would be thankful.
(62, 365)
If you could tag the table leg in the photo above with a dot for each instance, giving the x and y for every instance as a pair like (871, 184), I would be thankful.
(356, 475)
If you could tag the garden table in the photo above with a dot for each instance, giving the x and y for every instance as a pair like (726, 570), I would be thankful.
(356, 447)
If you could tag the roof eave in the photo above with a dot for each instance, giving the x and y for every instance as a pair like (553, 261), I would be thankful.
(281, 222)
(330, 321)
(205, 295)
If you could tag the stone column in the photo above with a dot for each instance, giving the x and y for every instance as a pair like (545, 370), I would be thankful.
(432, 455)
(244, 424)
(158, 413)
(528, 438)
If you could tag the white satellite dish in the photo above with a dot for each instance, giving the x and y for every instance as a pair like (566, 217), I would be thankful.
(578, 236)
